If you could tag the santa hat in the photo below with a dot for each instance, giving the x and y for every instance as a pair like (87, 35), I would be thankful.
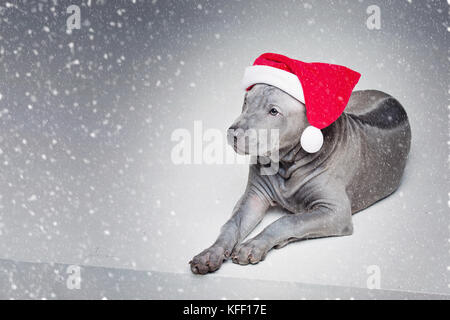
(324, 89)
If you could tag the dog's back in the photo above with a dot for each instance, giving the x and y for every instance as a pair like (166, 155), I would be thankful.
(387, 138)
(377, 109)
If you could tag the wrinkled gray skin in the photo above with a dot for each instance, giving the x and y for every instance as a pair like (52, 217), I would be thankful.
(362, 161)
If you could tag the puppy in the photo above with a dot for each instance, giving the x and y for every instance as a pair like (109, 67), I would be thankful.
(361, 161)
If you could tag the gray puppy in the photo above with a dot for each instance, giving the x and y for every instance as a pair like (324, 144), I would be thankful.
(362, 161)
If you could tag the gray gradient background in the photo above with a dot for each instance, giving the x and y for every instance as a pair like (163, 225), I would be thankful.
(85, 172)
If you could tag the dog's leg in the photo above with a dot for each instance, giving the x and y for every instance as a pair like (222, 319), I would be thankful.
(325, 219)
(247, 213)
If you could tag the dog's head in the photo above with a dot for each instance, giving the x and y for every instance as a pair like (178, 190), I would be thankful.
(268, 114)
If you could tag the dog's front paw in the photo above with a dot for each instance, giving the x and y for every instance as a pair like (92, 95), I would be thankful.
(252, 251)
(209, 260)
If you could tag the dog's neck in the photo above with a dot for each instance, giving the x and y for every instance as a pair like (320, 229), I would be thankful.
(295, 158)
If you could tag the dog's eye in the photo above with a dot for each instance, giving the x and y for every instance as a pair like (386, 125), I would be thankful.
(273, 111)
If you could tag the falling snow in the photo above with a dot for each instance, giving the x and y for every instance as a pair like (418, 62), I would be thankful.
(86, 119)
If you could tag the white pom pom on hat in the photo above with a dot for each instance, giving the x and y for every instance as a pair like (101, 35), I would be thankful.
(324, 89)
(311, 139)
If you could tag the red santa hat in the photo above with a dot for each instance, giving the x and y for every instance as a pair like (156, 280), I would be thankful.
(323, 88)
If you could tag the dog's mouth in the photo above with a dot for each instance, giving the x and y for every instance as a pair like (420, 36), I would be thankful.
(236, 147)
(244, 149)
